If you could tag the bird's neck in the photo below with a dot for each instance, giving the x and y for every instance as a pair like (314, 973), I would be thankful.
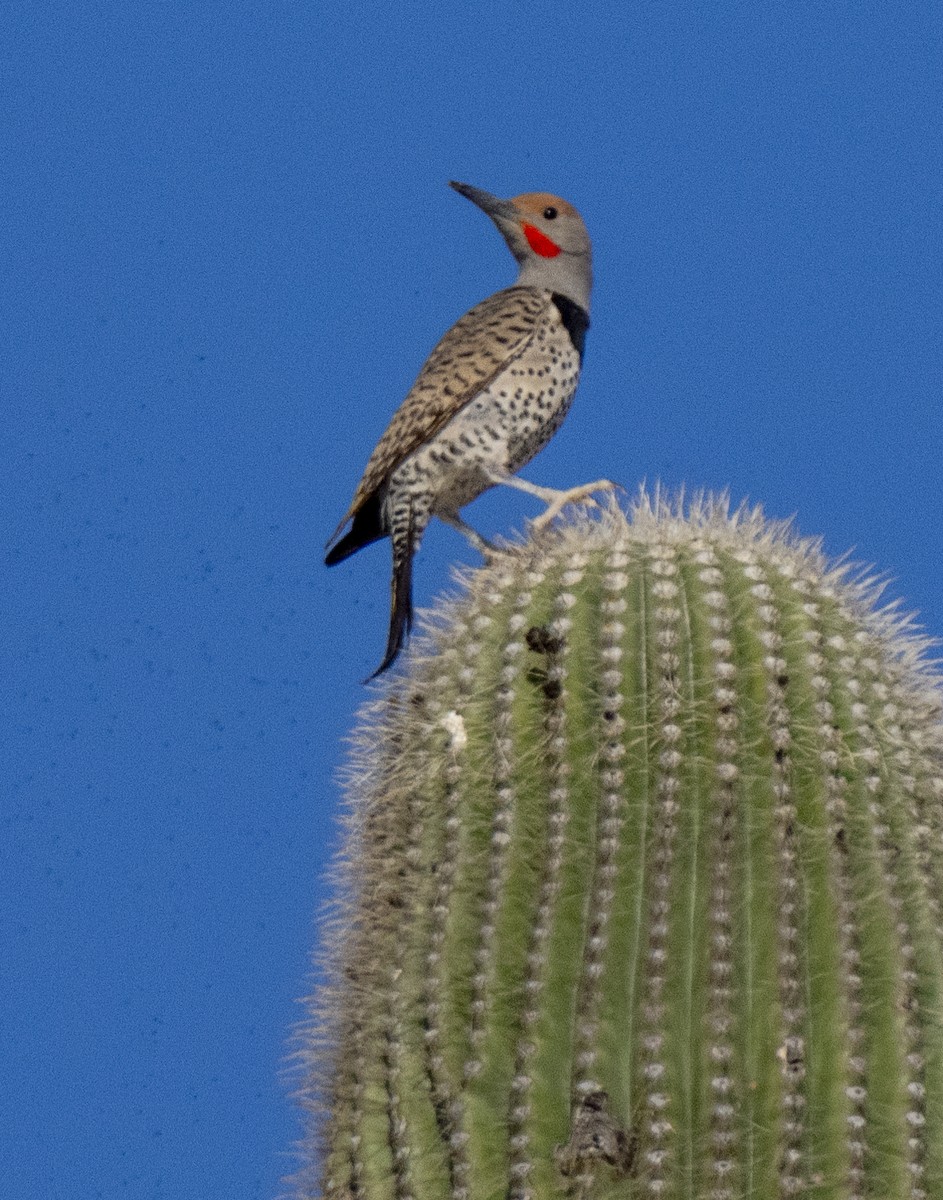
(568, 274)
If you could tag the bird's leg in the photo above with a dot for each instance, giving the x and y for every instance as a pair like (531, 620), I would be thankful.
(555, 498)
(481, 544)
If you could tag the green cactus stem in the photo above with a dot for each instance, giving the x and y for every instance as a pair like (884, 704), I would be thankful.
(641, 893)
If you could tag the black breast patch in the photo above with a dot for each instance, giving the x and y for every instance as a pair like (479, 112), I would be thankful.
(575, 321)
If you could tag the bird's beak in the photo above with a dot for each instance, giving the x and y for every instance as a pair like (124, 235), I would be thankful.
(497, 210)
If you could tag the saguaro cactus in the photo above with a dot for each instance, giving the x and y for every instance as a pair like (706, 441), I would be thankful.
(642, 888)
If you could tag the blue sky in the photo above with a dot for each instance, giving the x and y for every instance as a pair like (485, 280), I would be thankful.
(227, 247)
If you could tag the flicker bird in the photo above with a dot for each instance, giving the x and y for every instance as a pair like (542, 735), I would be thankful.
(490, 396)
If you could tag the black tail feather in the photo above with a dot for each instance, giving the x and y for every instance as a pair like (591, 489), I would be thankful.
(367, 528)
(401, 603)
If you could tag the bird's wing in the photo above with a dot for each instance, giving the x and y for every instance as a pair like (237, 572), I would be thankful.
(476, 349)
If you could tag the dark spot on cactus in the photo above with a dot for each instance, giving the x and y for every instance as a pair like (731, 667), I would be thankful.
(440, 1105)
(780, 756)
(782, 680)
(552, 689)
(841, 840)
(793, 1055)
(609, 715)
(536, 677)
(725, 709)
(542, 641)
(596, 1137)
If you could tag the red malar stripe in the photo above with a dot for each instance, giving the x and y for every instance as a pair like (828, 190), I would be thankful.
(540, 243)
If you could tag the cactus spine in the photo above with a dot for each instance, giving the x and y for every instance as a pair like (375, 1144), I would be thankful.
(642, 888)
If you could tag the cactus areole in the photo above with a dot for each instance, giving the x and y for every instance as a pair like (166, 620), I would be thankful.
(641, 893)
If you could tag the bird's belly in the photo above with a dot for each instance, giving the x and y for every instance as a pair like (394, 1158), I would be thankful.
(498, 431)
(532, 396)
(504, 426)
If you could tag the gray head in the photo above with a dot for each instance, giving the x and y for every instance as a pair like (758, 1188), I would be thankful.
(547, 237)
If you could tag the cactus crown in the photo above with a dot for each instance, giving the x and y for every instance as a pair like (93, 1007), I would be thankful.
(641, 893)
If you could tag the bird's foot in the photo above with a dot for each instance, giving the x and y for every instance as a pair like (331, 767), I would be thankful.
(557, 499)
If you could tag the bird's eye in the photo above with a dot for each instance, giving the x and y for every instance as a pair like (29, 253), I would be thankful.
(550, 212)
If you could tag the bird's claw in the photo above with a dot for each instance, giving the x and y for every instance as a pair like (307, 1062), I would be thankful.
(577, 495)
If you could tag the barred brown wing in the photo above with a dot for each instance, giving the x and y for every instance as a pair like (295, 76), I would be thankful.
(475, 350)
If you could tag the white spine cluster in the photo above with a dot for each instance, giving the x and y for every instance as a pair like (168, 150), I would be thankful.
(501, 825)
(447, 1102)
(351, 1097)
(609, 823)
(400, 1145)
(921, 721)
(558, 815)
(897, 859)
(666, 617)
(461, 656)
(724, 1127)
(830, 739)
(791, 1051)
